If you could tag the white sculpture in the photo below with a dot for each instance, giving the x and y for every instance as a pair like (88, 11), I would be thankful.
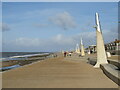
(101, 54)
(82, 48)
(77, 49)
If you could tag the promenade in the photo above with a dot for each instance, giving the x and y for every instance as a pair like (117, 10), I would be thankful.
(58, 72)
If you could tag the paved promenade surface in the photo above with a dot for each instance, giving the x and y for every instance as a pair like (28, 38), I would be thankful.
(60, 72)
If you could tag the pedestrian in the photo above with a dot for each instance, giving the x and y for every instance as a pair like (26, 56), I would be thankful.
(65, 54)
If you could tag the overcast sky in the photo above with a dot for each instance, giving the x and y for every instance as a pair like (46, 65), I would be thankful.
(56, 26)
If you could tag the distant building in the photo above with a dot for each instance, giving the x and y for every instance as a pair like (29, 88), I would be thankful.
(91, 49)
(112, 47)
(115, 45)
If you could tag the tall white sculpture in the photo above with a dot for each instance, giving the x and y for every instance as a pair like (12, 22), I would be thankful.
(77, 48)
(101, 54)
(82, 48)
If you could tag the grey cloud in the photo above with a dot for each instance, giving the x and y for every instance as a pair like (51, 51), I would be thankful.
(109, 36)
(88, 38)
(63, 20)
(4, 27)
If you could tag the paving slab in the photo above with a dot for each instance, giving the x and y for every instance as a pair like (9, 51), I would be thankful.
(60, 72)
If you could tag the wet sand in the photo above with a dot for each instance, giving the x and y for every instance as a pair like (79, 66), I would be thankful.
(58, 72)
(8, 63)
(22, 61)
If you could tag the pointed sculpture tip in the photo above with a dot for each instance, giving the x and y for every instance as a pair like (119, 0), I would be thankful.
(81, 41)
(97, 22)
(96, 13)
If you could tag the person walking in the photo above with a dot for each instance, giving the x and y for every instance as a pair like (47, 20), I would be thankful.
(65, 54)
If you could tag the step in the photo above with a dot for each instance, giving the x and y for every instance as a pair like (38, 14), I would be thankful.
(114, 62)
(112, 72)
(93, 61)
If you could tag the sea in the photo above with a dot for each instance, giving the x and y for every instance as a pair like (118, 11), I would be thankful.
(15, 55)
(7, 56)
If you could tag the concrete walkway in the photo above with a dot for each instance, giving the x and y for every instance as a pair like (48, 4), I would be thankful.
(69, 72)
